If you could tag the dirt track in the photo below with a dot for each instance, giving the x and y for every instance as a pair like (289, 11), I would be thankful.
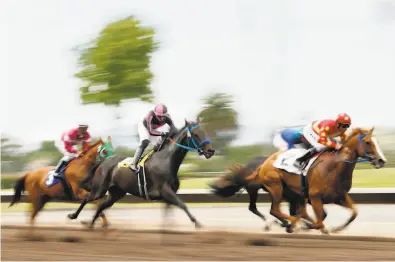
(115, 244)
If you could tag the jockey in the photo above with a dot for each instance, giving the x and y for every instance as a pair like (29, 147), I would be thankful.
(289, 138)
(320, 135)
(155, 118)
(69, 139)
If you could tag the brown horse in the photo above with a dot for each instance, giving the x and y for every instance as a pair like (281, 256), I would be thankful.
(34, 182)
(329, 179)
(234, 180)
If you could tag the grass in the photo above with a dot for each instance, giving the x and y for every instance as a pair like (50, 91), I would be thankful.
(361, 178)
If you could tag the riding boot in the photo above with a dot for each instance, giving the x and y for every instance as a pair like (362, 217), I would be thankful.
(301, 161)
(139, 152)
(58, 168)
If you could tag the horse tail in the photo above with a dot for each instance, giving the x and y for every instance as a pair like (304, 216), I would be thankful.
(230, 183)
(19, 188)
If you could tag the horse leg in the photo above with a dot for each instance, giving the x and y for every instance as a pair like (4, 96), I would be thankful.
(171, 198)
(348, 203)
(86, 197)
(253, 193)
(318, 208)
(37, 202)
(115, 194)
(103, 217)
(302, 212)
(276, 192)
(82, 205)
(166, 211)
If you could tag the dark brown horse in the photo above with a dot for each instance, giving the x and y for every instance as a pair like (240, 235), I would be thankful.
(329, 179)
(157, 178)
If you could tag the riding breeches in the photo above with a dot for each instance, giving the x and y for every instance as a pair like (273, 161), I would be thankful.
(60, 145)
(145, 135)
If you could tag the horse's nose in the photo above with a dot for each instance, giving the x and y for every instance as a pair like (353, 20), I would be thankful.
(379, 163)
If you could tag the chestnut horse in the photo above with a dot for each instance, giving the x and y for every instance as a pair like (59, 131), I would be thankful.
(34, 182)
(233, 181)
(329, 179)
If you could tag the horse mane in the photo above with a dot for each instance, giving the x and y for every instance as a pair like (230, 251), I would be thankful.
(175, 132)
(356, 131)
(93, 145)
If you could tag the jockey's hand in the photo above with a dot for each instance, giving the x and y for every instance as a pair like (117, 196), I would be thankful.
(164, 134)
(338, 146)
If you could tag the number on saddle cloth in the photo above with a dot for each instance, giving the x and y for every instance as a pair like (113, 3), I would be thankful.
(287, 159)
(51, 180)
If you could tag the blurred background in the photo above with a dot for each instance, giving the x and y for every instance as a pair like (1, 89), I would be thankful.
(249, 68)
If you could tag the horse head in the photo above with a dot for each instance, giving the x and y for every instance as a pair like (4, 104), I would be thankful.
(89, 155)
(105, 150)
(364, 144)
(193, 137)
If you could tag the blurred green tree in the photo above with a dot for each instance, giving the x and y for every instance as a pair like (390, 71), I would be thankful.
(12, 159)
(47, 151)
(115, 65)
(220, 119)
(9, 151)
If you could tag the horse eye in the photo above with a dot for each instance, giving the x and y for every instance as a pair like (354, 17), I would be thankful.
(368, 143)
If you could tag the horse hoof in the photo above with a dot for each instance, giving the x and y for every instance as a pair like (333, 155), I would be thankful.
(308, 225)
(198, 225)
(105, 225)
(72, 216)
(324, 231)
(266, 228)
(335, 230)
(289, 230)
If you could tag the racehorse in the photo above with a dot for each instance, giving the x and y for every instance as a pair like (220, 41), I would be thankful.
(231, 182)
(157, 175)
(329, 178)
(35, 182)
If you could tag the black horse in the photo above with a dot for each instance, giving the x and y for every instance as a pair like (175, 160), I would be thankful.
(158, 180)
(229, 184)
(95, 180)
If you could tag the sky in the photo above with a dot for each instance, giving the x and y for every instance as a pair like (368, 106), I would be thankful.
(280, 59)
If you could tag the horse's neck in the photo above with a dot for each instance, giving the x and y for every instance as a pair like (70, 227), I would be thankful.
(82, 165)
(177, 154)
(346, 165)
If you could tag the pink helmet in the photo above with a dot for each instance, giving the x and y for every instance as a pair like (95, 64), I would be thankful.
(160, 110)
